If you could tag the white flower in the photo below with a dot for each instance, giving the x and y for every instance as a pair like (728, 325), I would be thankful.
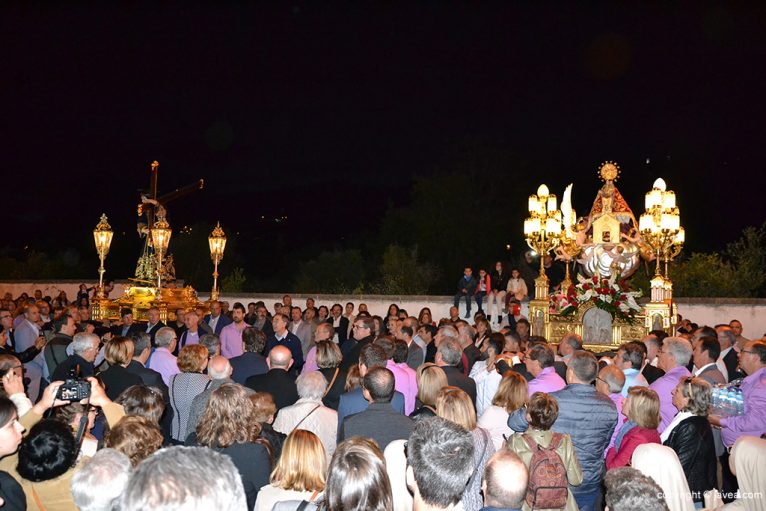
(606, 298)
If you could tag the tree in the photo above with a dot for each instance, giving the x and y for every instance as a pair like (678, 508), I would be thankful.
(748, 255)
(402, 273)
(336, 272)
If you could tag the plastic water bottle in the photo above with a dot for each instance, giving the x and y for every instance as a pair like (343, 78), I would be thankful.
(715, 398)
(732, 401)
(740, 403)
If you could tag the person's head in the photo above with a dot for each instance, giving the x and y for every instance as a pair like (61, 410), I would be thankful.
(387, 343)
(86, 345)
(126, 315)
(324, 312)
(542, 411)
(166, 338)
(363, 327)
(371, 355)
(226, 420)
(310, 303)
(280, 358)
(440, 462)
(583, 368)
(753, 356)
(449, 352)
(192, 359)
(570, 343)
(287, 300)
(427, 333)
(324, 332)
(505, 480)
(455, 405)
(454, 312)
(219, 368)
(144, 401)
(328, 355)
(253, 340)
(10, 429)
(279, 323)
(261, 311)
(430, 380)
(311, 385)
(401, 352)
(47, 452)
(652, 344)
(72, 413)
(706, 351)
(726, 337)
(264, 408)
(238, 312)
(675, 352)
(153, 315)
(336, 310)
(522, 327)
(101, 480)
(142, 345)
(212, 343)
(6, 319)
(32, 312)
(378, 385)
(692, 395)
(539, 356)
(642, 407)
(65, 324)
(136, 437)
(610, 380)
(309, 314)
(627, 489)
(303, 463)
(119, 351)
(296, 314)
(736, 327)
(629, 356)
(425, 316)
(393, 310)
(182, 478)
(357, 478)
(215, 309)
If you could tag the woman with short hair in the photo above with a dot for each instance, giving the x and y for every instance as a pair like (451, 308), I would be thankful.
(299, 474)
(328, 359)
(118, 353)
(431, 379)
(186, 385)
(136, 437)
(264, 412)
(642, 411)
(511, 395)
(455, 405)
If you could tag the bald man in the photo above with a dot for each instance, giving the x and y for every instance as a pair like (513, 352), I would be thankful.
(278, 382)
(504, 484)
(219, 369)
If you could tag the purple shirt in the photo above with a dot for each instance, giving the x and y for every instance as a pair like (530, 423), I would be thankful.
(753, 421)
(164, 363)
(406, 383)
(547, 381)
(617, 399)
(231, 340)
(311, 361)
(664, 387)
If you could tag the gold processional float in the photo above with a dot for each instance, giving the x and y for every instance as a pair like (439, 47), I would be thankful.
(607, 246)
(154, 283)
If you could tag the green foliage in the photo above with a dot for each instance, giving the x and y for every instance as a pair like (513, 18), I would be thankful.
(336, 272)
(39, 265)
(402, 273)
(704, 275)
(234, 282)
(748, 255)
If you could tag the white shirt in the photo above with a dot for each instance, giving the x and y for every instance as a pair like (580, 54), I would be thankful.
(495, 420)
(698, 371)
(295, 326)
(486, 385)
(721, 365)
(149, 326)
(676, 420)
(213, 322)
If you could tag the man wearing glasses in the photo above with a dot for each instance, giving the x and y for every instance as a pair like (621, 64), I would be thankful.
(362, 335)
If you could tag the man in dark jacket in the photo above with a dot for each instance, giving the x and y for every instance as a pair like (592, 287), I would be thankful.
(283, 337)
(142, 349)
(127, 326)
(466, 287)
(278, 381)
(448, 356)
(362, 336)
(589, 417)
(251, 362)
(80, 364)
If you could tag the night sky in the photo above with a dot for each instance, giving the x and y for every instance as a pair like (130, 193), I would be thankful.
(323, 113)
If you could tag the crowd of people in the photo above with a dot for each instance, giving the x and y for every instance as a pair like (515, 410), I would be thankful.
(298, 408)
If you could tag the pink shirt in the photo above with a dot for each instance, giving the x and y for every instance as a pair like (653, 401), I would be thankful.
(406, 383)
(547, 381)
(162, 361)
(311, 361)
(231, 340)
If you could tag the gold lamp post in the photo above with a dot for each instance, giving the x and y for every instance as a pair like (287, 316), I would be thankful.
(102, 236)
(161, 233)
(661, 229)
(217, 241)
(542, 230)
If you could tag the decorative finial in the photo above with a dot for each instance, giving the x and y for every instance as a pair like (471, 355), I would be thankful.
(103, 225)
(155, 164)
(609, 171)
(218, 232)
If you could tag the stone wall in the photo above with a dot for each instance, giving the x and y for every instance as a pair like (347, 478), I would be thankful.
(751, 312)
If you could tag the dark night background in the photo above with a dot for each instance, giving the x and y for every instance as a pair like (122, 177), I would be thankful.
(326, 113)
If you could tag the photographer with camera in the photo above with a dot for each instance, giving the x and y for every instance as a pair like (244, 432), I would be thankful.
(85, 348)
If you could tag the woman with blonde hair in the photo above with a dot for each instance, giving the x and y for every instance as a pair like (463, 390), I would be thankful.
(186, 385)
(118, 353)
(226, 427)
(299, 474)
(511, 395)
(136, 437)
(642, 411)
(453, 404)
(431, 379)
(661, 464)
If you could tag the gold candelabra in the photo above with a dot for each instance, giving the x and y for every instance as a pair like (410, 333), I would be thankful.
(102, 236)
(661, 229)
(542, 230)
(161, 233)
(217, 241)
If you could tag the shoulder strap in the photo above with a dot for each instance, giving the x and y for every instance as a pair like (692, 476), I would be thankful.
(555, 441)
(37, 499)
(483, 452)
(302, 506)
(307, 416)
(334, 377)
(531, 443)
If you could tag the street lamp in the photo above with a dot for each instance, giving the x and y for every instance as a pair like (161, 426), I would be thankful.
(161, 233)
(542, 230)
(102, 236)
(661, 229)
(217, 241)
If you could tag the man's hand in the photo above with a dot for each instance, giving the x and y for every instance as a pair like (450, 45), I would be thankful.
(49, 398)
(40, 342)
(714, 420)
(98, 395)
(13, 383)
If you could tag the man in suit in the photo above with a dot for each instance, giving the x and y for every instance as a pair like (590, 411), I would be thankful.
(415, 354)
(263, 320)
(193, 332)
(339, 323)
(448, 356)
(6, 321)
(379, 421)
(705, 354)
(362, 336)
(650, 371)
(80, 364)
(55, 351)
(353, 401)
(142, 349)
(728, 360)
(216, 320)
(301, 329)
(278, 381)
(251, 362)
(127, 326)
(283, 337)
(153, 324)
